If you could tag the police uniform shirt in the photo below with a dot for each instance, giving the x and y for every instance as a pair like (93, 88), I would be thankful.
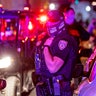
(62, 46)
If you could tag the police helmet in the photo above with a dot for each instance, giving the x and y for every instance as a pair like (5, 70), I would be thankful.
(55, 23)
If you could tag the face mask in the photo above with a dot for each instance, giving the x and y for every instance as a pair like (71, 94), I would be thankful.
(69, 20)
(52, 30)
(55, 28)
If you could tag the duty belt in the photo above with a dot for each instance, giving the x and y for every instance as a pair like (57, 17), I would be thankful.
(57, 78)
(56, 84)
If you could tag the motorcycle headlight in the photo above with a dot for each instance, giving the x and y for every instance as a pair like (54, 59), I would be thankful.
(5, 62)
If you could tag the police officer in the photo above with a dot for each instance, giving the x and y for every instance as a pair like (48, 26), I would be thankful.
(55, 58)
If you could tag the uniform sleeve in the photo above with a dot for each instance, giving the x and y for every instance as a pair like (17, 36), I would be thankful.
(62, 49)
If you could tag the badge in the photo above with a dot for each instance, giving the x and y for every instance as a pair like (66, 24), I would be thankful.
(62, 44)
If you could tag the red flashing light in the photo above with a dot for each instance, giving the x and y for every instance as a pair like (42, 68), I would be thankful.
(43, 18)
(26, 39)
(23, 41)
(41, 10)
(30, 25)
(26, 8)
(33, 38)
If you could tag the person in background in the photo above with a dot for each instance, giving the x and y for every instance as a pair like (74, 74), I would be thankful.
(91, 61)
(80, 34)
(92, 31)
(55, 58)
(87, 86)
(92, 27)
(74, 28)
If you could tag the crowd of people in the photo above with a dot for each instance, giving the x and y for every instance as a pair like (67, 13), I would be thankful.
(58, 55)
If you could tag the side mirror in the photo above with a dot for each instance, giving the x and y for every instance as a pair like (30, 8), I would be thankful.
(2, 84)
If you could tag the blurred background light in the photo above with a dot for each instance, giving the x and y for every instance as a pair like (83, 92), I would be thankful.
(88, 8)
(94, 3)
(52, 6)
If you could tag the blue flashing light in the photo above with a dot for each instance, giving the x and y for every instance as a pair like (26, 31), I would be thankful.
(76, 2)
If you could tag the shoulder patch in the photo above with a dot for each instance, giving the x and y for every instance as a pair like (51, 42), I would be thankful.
(62, 44)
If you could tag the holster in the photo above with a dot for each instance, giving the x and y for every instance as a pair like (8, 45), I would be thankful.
(45, 88)
(52, 86)
(56, 84)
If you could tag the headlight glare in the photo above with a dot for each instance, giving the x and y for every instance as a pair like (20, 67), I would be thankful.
(5, 62)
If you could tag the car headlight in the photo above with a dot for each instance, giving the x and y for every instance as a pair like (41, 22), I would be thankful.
(5, 62)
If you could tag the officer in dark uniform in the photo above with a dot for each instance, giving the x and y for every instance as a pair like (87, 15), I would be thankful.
(55, 58)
